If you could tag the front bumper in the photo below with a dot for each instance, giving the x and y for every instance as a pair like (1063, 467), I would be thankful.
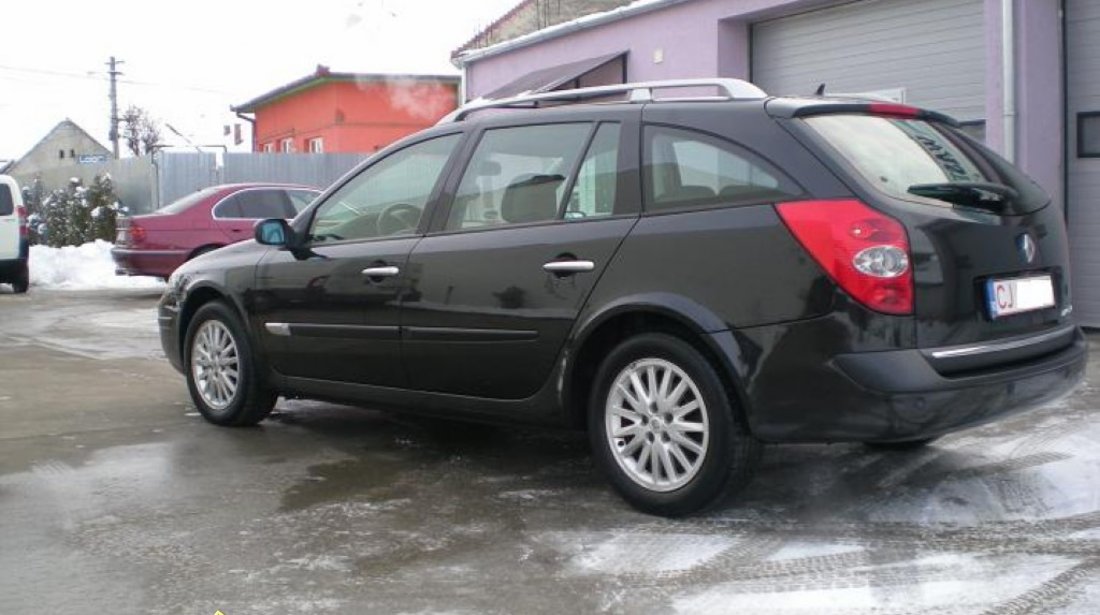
(899, 395)
(168, 324)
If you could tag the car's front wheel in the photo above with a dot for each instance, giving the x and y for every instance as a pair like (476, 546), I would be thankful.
(221, 369)
(663, 428)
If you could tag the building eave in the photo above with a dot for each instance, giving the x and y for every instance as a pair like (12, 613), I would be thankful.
(641, 7)
(322, 78)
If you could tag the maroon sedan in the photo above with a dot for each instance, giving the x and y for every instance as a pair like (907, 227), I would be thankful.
(155, 244)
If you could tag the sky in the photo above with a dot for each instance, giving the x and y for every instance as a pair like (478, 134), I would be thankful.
(187, 61)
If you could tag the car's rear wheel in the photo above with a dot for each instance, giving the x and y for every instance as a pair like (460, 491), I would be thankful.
(221, 369)
(22, 280)
(664, 429)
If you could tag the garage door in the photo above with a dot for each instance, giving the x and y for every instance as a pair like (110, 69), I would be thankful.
(1083, 155)
(933, 51)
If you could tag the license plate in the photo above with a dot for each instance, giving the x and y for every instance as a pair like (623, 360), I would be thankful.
(1015, 295)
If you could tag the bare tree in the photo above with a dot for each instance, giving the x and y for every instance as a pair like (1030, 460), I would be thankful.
(142, 132)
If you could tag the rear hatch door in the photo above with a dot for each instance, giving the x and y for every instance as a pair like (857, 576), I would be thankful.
(9, 221)
(989, 250)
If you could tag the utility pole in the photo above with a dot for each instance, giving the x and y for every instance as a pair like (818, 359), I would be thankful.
(114, 73)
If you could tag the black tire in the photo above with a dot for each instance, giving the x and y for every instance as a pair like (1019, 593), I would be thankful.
(22, 280)
(731, 454)
(252, 399)
(905, 445)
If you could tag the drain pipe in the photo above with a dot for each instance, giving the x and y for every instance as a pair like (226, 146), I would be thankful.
(1008, 76)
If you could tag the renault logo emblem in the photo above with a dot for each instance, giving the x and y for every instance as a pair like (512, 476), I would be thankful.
(1027, 247)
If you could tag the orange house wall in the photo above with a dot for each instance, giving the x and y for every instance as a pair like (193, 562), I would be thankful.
(353, 117)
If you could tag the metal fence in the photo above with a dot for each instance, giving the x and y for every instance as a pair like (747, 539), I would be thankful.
(150, 182)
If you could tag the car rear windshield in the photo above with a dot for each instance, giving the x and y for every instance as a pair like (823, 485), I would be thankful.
(929, 162)
(186, 202)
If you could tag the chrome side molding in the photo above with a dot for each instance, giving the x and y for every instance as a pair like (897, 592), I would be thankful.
(966, 351)
(278, 328)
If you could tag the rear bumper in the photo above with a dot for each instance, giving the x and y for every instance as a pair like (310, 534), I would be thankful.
(899, 395)
(11, 267)
(160, 263)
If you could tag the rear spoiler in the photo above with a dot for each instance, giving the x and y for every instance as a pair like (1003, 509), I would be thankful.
(802, 108)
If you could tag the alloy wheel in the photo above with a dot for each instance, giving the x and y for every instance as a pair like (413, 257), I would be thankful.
(215, 364)
(656, 424)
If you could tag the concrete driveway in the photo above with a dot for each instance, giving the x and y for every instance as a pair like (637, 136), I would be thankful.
(115, 497)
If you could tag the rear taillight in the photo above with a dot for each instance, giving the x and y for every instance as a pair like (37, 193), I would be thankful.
(21, 213)
(865, 251)
(137, 233)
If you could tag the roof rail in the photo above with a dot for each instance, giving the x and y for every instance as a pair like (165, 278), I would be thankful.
(637, 93)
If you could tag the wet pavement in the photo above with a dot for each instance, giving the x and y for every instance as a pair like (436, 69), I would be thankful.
(115, 496)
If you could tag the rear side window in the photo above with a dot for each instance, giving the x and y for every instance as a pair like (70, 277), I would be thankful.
(686, 169)
(895, 155)
(260, 204)
(593, 193)
(7, 202)
(300, 199)
(518, 175)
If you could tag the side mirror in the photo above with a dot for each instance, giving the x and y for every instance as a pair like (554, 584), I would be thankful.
(273, 232)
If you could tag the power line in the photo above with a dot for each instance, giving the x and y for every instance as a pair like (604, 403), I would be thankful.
(98, 76)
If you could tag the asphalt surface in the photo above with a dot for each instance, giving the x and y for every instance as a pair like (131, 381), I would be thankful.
(116, 497)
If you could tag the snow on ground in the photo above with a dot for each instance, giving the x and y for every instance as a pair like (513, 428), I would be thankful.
(86, 267)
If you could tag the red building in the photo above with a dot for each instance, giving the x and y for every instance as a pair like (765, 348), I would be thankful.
(347, 112)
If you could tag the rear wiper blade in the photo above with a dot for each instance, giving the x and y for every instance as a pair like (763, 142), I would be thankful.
(987, 195)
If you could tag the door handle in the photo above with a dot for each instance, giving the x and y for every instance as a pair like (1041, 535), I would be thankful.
(569, 267)
(381, 272)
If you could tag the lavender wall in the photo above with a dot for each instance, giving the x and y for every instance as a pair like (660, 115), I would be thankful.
(706, 38)
(701, 38)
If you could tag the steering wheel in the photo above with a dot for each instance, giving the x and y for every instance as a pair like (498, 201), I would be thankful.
(397, 218)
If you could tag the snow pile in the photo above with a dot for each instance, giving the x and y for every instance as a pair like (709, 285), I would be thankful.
(86, 267)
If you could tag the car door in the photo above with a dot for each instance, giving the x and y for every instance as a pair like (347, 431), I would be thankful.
(329, 310)
(534, 218)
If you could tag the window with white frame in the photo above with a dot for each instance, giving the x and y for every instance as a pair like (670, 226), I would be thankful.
(287, 146)
(316, 145)
(269, 148)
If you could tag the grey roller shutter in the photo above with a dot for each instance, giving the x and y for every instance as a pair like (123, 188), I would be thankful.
(934, 49)
(1083, 189)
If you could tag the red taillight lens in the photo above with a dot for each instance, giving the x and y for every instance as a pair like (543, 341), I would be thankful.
(865, 251)
(137, 233)
(21, 213)
(894, 110)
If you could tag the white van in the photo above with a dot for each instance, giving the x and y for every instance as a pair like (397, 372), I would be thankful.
(13, 236)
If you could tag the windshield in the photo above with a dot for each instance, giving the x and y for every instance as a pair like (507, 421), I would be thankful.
(904, 157)
(186, 202)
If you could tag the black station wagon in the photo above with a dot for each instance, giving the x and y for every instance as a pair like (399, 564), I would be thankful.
(686, 278)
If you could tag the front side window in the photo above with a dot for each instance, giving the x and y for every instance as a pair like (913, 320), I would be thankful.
(386, 199)
(517, 175)
(685, 169)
